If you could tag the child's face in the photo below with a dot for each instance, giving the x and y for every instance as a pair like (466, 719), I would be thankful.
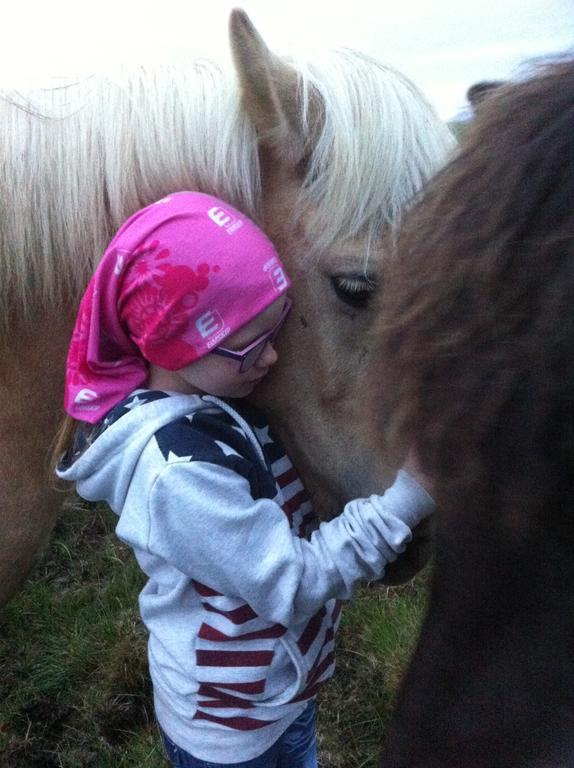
(216, 375)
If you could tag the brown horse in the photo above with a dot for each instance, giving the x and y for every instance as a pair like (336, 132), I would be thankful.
(324, 154)
(480, 331)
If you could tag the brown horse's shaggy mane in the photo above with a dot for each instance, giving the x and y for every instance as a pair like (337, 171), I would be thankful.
(479, 306)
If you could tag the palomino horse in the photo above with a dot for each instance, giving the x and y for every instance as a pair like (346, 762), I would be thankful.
(480, 331)
(323, 154)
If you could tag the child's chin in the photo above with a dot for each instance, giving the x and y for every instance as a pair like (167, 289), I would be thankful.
(241, 391)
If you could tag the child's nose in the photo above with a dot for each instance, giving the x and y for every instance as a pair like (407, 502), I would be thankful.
(269, 356)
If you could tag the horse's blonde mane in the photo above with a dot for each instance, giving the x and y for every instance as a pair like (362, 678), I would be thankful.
(380, 142)
(77, 159)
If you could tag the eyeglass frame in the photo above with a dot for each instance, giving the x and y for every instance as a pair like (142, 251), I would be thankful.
(269, 336)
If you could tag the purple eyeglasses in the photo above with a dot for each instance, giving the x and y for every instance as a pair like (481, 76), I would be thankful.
(249, 355)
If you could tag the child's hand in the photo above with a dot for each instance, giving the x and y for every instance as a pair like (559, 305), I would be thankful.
(412, 466)
(414, 558)
(420, 549)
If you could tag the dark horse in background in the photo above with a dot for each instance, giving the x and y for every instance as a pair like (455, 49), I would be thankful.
(480, 329)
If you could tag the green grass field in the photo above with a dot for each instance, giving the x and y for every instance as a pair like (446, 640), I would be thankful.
(74, 690)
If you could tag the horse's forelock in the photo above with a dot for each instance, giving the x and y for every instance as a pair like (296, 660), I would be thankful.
(379, 142)
(477, 313)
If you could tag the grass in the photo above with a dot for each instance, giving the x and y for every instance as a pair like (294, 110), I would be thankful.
(74, 689)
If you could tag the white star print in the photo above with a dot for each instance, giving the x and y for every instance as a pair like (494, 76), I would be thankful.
(227, 451)
(263, 435)
(173, 457)
(134, 403)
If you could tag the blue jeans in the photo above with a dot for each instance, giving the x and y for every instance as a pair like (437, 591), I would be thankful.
(296, 748)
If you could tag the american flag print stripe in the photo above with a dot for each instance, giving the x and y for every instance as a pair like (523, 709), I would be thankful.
(238, 723)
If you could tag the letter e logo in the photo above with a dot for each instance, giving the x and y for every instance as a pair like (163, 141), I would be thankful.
(209, 323)
(220, 217)
(278, 279)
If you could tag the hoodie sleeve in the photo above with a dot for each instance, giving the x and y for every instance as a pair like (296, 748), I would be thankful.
(204, 521)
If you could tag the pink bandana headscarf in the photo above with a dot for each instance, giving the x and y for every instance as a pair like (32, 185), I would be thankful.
(178, 277)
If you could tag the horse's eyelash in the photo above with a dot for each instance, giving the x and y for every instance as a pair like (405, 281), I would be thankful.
(356, 284)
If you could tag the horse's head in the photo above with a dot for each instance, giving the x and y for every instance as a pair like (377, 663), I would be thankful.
(345, 143)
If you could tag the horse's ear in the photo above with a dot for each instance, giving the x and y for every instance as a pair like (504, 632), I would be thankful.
(269, 91)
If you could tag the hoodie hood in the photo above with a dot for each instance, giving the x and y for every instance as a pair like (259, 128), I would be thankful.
(103, 471)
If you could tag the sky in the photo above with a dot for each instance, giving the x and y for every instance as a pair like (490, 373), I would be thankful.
(444, 46)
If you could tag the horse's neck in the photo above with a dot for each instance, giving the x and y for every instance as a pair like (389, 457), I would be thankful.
(495, 656)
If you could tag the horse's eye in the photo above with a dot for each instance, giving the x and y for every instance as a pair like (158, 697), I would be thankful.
(354, 290)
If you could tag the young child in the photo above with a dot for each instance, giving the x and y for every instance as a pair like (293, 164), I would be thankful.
(243, 594)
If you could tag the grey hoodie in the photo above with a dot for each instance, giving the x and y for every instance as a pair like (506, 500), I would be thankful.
(243, 594)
